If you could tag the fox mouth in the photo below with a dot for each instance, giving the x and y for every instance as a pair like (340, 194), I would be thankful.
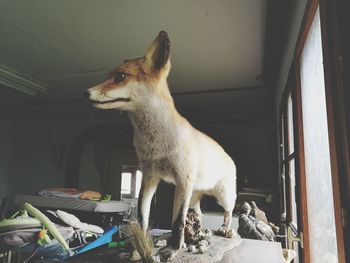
(111, 101)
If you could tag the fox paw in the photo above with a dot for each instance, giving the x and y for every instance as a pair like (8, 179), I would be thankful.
(167, 254)
(225, 232)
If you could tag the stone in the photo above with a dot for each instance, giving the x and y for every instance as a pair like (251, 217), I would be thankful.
(192, 228)
(258, 213)
(208, 233)
(161, 243)
(192, 249)
(203, 243)
(156, 259)
(202, 249)
(218, 247)
(275, 228)
(252, 228)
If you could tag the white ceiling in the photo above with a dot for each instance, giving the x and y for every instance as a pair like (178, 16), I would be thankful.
(69, 45)
(214, 44)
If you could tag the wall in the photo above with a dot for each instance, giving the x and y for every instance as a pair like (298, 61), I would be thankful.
(85, 144)
(294, 19)
(32, 162)
(5, 156)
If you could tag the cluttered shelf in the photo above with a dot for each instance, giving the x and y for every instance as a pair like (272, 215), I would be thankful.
(109, 239)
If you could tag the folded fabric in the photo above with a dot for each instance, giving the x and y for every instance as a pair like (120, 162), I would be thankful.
(61, 192)
(19, 235)
(73, 221)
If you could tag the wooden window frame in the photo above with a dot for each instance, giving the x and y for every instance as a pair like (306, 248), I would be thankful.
(330, 72)
(285, 158)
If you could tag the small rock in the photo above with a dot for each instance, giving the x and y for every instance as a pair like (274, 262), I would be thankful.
(156, 259)
(201, 234)
(161, 243)
(184, 245)
(208, 232)
(230, 234)
(202, 249)
(192, 248)
(203, 243)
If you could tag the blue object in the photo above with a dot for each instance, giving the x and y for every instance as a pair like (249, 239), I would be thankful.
(104, 239)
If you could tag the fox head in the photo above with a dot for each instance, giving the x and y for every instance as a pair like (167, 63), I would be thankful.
(129, 82)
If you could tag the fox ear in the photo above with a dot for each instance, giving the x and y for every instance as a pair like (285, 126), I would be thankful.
(158, 53)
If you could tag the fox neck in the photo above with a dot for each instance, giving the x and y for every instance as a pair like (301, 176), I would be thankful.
(154, 120)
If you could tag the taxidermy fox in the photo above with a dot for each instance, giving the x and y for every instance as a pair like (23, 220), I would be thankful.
(167, 146)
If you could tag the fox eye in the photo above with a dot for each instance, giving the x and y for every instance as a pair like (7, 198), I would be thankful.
(119, 77)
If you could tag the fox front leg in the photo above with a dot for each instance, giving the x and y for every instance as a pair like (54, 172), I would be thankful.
(182, 199)
(148, 188)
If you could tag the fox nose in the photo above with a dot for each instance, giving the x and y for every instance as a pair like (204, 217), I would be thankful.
(86, 94)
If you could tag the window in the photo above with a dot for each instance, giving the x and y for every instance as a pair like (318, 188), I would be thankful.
(131, 179)
(317, 160)
(321, 220)
(126, 184)
(288, 176)
(291, 164)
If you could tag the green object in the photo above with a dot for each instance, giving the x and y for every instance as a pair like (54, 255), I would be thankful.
(116, 244)
(121, 243)
(47, 224)
(43, 237)
(19, 221)
(106, 198)
(112, 244)
(19, 218)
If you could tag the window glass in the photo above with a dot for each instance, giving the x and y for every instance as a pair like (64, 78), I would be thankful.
(290, 125)
(292, 184)
(126, 183)
(322, 233)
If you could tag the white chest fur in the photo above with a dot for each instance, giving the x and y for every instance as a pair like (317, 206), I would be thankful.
(156, 134)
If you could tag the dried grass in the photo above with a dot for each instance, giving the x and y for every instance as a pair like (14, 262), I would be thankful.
(141, 242)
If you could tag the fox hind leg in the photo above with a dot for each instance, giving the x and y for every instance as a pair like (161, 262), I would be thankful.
(226, 197)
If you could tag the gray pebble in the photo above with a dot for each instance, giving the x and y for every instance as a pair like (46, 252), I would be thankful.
(156, 259)
(203, 243)
(202, 249)
(192, 248)
(161, 243)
